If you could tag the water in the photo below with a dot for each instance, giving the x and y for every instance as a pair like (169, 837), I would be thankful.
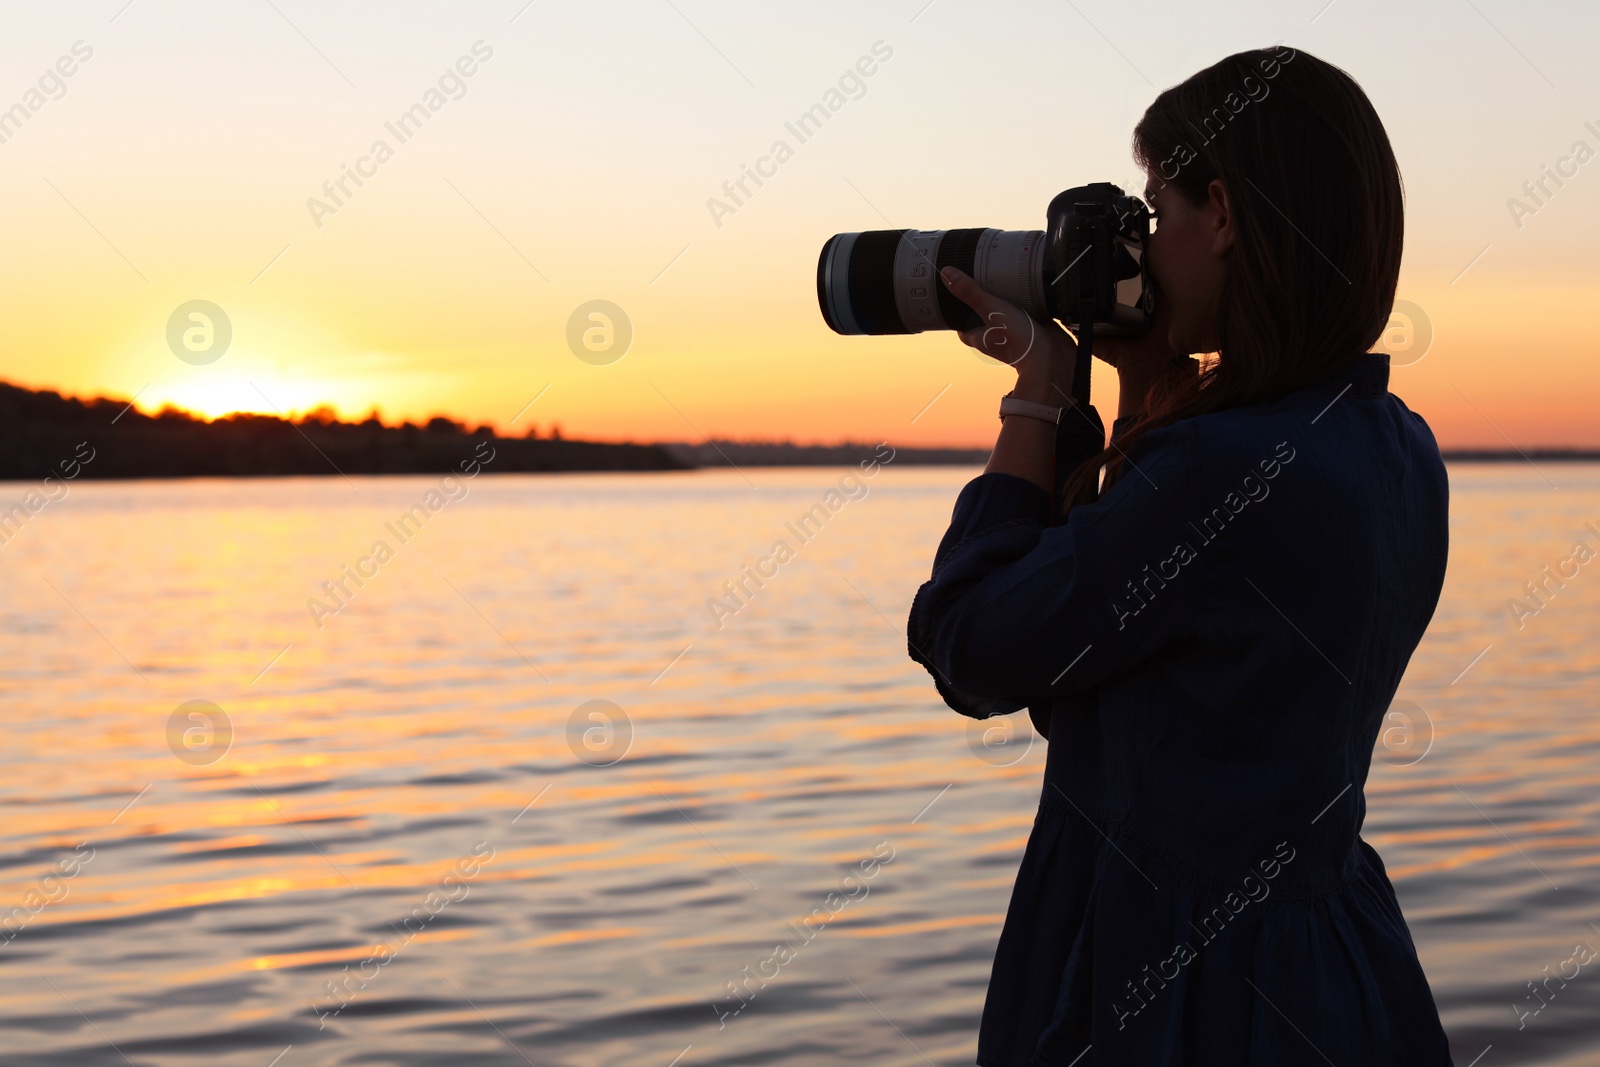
(399, 800)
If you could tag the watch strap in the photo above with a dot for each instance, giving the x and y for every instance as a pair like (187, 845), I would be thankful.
(1011, 405)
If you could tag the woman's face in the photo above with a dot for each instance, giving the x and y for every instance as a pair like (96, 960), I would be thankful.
(1188, 256)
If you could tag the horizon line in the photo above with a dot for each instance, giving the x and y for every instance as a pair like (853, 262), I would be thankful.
(327, 414)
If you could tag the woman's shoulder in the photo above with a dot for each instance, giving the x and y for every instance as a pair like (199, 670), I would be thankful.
(1195, 455)
(1350, 417)
(1352, 447)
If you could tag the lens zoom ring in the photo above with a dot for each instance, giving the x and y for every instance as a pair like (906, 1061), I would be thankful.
(959, 249)
(872, 282)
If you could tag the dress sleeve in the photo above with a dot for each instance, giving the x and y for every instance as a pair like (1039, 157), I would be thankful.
(1017, 609)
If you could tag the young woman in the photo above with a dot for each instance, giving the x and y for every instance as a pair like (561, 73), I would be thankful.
(1210, 639)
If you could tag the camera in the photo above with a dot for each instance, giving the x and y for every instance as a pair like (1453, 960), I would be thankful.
(1086, 266)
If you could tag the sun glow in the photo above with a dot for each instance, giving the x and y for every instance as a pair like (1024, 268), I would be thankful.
(215, 398)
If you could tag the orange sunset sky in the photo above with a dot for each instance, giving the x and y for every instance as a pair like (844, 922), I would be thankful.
(576, 162)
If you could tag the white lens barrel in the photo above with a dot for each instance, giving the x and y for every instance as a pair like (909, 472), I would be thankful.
(916, 281)
(1010, 264)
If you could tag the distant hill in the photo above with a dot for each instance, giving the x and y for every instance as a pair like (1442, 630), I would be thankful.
(41, 430)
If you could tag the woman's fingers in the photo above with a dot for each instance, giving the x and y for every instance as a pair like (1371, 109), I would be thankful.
(993, 338)
(1151, 346)
(964, 289)
(1008, 333)
(1109, 349)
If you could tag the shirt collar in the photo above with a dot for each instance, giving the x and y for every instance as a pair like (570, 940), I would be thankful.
(1369, 375)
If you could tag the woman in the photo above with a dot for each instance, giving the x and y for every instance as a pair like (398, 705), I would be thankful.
(1211, 638)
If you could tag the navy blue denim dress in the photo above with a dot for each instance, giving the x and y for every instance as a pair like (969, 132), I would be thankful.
(1211, 648)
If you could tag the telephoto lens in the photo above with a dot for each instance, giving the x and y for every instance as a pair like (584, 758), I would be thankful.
(1087, 265)
(887, 281)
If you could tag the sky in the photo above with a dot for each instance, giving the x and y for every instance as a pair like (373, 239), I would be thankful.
(191, 155)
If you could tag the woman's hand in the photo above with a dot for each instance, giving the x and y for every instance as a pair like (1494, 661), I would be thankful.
(1042, 353)
(1141, 352)
(1142, 361)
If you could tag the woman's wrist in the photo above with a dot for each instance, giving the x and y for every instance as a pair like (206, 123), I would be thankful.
(1047, 382)
(1038, 390)
(1026, 446)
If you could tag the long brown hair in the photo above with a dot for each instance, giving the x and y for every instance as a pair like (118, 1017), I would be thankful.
(1318, 213)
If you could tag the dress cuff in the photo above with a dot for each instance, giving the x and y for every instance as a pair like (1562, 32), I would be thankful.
(997, 515)
(991, 500)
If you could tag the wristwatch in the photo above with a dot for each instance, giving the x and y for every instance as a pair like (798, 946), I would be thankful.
(1012, 405)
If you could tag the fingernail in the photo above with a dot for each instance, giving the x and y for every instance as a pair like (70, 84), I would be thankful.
(948, 274)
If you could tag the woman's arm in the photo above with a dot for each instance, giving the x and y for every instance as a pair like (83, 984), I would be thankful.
(1017, 610)
(1042, 355)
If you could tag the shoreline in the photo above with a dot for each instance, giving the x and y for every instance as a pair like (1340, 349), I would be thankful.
(904, 458)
